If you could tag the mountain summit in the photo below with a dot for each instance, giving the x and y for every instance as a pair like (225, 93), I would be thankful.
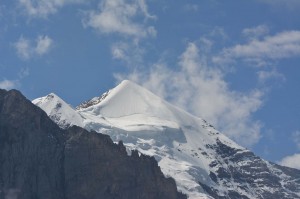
(59, 111)
(132, 107)
(129, 98)
(203, 161)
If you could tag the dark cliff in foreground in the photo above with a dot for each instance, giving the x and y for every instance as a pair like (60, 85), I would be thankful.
(38, 160)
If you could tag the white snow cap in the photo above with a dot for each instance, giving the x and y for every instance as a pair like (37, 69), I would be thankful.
(59, 111)
(129, 99)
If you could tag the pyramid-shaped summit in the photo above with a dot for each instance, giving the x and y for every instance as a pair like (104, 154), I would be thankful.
(129, 99)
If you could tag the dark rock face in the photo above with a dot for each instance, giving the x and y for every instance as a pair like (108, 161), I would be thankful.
(38, 160)
(97, 168)
(31, 151)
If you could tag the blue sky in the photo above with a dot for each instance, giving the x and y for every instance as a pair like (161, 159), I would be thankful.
(234, 63)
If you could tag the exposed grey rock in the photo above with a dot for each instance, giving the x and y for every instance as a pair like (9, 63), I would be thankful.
(251, 173)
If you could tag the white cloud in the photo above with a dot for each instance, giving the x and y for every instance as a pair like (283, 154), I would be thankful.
(203, 91)
(120, 51)
(144, 8)
(128, 52)
(256, 32)
(296, 138)
(43, 44)
(27, 49)
(7, 84)
(280, 46)
(151, 31)
(42, 8)
(23, 48)
(291, 161)
(120, 16)
(265, 75)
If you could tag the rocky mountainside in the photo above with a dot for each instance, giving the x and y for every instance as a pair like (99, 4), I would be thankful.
(203, 161)
(39, 160)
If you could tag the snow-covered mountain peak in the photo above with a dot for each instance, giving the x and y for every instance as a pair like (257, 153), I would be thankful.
(131, 102)
(97, 100)
(128, 98)
(49, 102)
(59, 111)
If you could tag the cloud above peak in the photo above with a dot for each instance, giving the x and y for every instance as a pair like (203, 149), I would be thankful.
(202, 90)
(7, 84)
(296, 138)
(120, 16)
(26, 48)
(43, 8)
(256, 32)
(280, 46)
(291, 161)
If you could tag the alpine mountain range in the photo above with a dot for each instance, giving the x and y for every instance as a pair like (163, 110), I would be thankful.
(203, 161)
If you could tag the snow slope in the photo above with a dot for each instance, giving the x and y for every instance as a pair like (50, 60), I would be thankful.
(59, 111)
(202, 161)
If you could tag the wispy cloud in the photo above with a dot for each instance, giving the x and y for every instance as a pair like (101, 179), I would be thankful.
(23, 48)
(43, 8)
(282, 45)
(121, 17)
(127, 19)
(128, 52)
(291, 161)
(43, 44)
(256, 32)
(203, 91)
(296, 138)
(8, 84)
(27, 49)
(269, 74)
